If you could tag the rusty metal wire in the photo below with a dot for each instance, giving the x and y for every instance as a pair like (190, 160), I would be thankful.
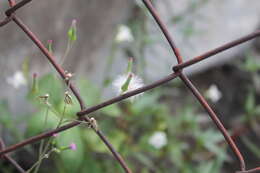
(82, 114)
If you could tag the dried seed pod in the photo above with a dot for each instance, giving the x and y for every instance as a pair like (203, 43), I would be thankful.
(44, 98)
(68, 76)
(93, 123)
(68, 98)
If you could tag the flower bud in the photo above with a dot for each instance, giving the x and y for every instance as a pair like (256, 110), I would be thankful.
(72, 33)
(124, 87)
(73, 146)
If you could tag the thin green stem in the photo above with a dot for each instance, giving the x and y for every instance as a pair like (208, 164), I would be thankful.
(49, 141)
(63, 58)
(39, 161)
(42, 141)
(62, 116)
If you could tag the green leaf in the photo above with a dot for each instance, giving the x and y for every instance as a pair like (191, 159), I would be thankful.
(211, 166)
(89, 92)
(117, 138)
(90, 165)
(70, 111)
(36, 122)
(176, 154)
(93, 142)
(210, 139)
(251, 63)
(143, 104)
(52, 85)
(72, 160)
(112, 110)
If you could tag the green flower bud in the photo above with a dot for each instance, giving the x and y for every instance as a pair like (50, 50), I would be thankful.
(72, 33)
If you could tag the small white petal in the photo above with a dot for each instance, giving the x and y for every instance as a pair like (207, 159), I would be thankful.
(213, 93)
(124, 34)
(158, 140)
(17, 80)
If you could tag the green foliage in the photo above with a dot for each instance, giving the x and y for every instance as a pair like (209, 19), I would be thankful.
(128, 126)
(112, 111)
(72, 160)
(251, 64)
(251, 146)
(251, 115)
(89, 92)
(252, 110)
(35, 124)
(50, 84)
(5, 118)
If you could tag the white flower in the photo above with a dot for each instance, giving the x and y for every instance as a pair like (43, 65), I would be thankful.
(17, 80)
(135, 83)
(158, 140)
(213, 93)
(124, 34)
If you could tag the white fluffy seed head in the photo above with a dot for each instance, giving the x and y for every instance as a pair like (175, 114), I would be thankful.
(135, 83)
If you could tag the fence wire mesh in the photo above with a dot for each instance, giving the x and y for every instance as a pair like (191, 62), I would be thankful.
(82, 115)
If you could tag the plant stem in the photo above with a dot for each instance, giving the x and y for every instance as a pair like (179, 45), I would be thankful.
(42, 141)
(39, 161)
(63, 58)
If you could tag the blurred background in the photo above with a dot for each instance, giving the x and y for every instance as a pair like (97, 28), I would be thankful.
(165, 129)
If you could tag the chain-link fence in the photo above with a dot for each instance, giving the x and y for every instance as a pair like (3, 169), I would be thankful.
(83, 113)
